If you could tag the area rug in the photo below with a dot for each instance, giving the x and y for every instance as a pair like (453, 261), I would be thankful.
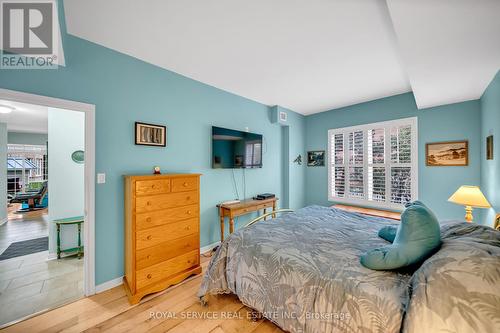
(26, 247)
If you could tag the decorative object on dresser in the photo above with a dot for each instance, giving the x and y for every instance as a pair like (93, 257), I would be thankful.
(243, 207)
(370, 211)
(150, 135)
(162, 232)
(452, 153)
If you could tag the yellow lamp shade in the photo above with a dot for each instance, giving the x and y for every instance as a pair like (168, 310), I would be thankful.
(470, 196)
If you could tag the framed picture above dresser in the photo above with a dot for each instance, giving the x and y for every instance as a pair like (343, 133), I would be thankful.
(162, 232)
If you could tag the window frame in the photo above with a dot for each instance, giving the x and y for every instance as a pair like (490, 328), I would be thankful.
(387, 204)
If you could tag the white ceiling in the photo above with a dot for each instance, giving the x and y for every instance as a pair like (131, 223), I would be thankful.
(308, 56)
(27, 118)
(450, 48)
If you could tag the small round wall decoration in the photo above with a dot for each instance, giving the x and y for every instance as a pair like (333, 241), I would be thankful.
(78, 156)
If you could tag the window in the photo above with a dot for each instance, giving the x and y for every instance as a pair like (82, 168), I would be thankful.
(26, 167)
(253, 154)
(374, 164)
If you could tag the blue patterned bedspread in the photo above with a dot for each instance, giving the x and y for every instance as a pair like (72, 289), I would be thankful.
(302, 271)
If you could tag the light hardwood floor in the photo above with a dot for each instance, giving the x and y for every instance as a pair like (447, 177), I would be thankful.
(110, 312)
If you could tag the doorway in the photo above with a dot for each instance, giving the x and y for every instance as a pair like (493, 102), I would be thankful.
(50, 191)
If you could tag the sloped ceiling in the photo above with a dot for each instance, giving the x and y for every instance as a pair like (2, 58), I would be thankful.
(450, 48)
(308, 56)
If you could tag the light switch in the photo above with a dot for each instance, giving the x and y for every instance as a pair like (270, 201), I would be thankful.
(101, 178)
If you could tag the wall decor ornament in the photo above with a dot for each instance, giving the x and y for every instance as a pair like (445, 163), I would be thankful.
(78, 156)
(298, 160)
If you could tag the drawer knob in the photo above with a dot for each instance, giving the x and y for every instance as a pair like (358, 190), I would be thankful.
(149, 276)
(149, 203)
(149, 237)
(148, 219)
(189, 261)
(189, 212)
(188, 227)
(148, 256)
(188, 198)
(185, 184)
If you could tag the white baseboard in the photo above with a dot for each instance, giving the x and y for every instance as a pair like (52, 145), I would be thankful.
(108, 285)
(4, 221)
(209, 248)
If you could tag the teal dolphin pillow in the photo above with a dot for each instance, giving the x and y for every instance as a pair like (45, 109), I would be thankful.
(416, 238)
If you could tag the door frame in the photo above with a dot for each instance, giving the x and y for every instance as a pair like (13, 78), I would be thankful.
(89, 171)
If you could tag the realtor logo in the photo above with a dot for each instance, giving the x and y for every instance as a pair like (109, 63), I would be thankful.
(29, 34)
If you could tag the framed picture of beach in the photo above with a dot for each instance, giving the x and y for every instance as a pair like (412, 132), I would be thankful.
(451, 153)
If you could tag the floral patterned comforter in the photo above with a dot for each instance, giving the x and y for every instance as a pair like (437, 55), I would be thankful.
(302, 271)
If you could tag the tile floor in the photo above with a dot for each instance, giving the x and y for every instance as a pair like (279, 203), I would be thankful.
(31, 283)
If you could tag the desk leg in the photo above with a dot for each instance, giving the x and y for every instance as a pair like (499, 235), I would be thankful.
(274, 209)
(58, 241)
(79, 240)
(265, 210)
(231, 225)
(221, 227)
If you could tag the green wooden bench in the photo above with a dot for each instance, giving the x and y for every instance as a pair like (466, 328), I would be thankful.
(78, 220)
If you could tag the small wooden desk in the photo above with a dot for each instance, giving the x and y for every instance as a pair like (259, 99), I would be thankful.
(242, 208)
(78, 220)
(370, 211)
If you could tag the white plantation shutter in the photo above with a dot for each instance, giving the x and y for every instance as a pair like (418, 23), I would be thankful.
(401, 185)
(374, 164)
(337, 173)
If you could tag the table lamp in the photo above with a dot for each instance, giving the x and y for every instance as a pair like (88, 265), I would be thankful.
(469, 196)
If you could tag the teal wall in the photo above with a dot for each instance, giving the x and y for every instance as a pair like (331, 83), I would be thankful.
(490, 169)
(125, 90)
(3, 175)
(66, 178)
(294, 136)
(445, 123)
(27, 138)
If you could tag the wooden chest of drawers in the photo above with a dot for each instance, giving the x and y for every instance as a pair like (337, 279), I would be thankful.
(162, 232)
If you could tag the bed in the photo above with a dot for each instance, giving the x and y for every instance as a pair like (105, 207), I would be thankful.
(302, 272)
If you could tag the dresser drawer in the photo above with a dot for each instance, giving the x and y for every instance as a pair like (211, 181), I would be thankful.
(184, 184)
(157, 186)
(166, 269)
(167, 250)
(161, 217)
(163, 201)
(154, 236)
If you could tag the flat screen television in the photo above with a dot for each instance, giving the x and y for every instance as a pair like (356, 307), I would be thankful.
(233, 149)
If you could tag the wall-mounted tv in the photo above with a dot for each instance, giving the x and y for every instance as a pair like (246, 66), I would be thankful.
(233, 149)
